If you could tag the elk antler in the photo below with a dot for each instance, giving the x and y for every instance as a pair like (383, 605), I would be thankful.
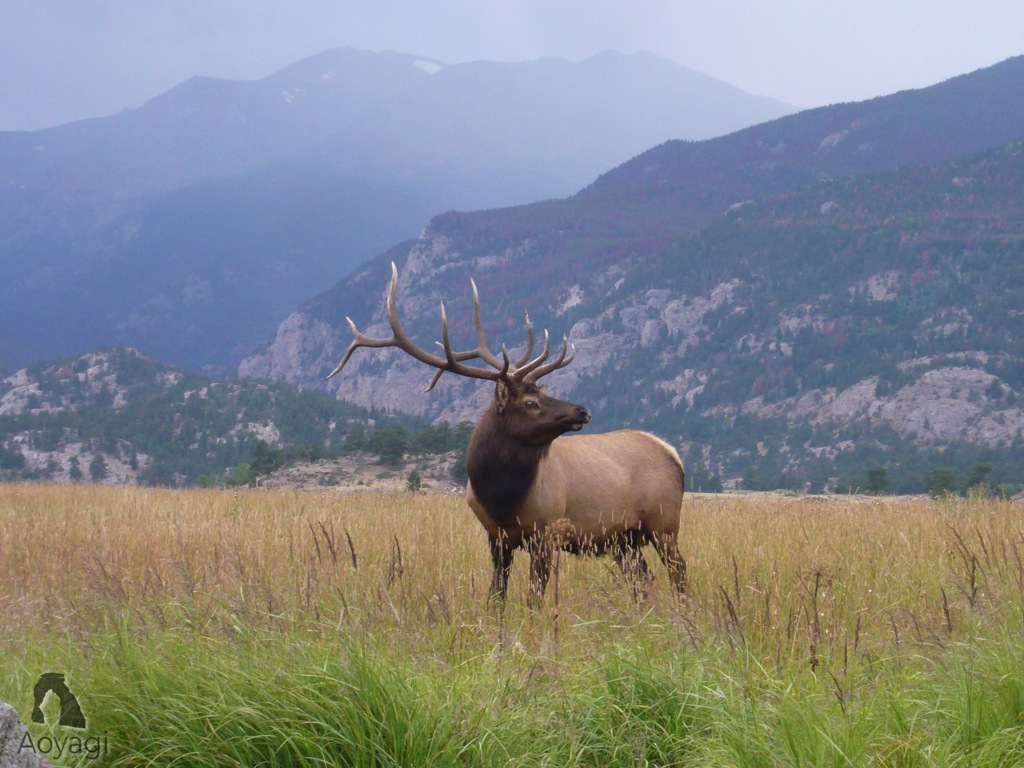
(522, 371)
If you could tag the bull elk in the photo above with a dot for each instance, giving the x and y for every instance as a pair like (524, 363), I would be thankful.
(589, 494)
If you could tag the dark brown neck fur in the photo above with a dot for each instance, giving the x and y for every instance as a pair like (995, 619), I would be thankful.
(501, 468)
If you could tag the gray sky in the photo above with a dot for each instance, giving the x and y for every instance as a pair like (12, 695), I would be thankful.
(62, 60)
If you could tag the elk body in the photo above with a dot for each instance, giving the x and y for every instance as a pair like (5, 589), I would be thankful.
(600, 493)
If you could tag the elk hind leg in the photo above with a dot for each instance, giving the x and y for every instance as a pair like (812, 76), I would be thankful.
(668, 549)
(630, 558)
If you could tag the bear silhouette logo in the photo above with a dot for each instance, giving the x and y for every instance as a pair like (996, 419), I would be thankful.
(70, 711)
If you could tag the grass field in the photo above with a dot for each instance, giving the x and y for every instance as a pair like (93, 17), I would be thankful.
(281, 628)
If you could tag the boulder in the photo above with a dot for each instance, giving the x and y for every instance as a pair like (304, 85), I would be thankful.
(12, 739)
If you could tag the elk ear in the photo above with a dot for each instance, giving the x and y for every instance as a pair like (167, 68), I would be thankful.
(543, 389)
(501, 395)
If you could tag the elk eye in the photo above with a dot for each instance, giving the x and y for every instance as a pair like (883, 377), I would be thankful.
(532, 405)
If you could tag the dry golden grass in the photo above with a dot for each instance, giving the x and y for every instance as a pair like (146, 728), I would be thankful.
(794, 579)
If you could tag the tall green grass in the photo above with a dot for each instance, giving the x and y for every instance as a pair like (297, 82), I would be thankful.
(177, 701)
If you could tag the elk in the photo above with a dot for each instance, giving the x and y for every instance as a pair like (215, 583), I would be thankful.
(609, 492)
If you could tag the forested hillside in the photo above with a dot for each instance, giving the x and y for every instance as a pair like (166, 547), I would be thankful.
(116, 416)
(867, 322)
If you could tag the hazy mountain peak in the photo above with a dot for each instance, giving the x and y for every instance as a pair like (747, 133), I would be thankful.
(619, 58)
(335, 62)
(430, 67)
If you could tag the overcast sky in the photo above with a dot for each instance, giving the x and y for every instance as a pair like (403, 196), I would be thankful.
(62, 60)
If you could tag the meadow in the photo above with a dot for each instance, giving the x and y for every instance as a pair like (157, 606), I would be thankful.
(273, 627)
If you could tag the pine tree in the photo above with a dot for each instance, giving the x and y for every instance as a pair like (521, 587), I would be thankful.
(98, 468)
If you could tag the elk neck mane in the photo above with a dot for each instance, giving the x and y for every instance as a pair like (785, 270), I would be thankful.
(501, 468)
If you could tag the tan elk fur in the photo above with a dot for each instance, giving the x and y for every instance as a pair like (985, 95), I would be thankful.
(597, 487)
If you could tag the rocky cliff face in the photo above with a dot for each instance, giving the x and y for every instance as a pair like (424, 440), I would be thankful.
(937, 405)
(937, 401)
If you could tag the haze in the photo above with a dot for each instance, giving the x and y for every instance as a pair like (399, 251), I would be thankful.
(62, 60)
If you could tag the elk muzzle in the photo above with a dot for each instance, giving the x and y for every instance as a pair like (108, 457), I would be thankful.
(575, 418)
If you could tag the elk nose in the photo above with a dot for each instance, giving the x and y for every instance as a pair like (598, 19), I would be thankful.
(584, 413)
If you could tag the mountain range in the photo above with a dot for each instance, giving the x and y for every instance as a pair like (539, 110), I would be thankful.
(794, 303)
(827, 300)
(192, 225)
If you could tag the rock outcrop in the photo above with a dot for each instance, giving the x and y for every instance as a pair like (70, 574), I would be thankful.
(14, 749)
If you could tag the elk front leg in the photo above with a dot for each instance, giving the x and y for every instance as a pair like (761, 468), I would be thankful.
(541, 553)
(501, 557)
